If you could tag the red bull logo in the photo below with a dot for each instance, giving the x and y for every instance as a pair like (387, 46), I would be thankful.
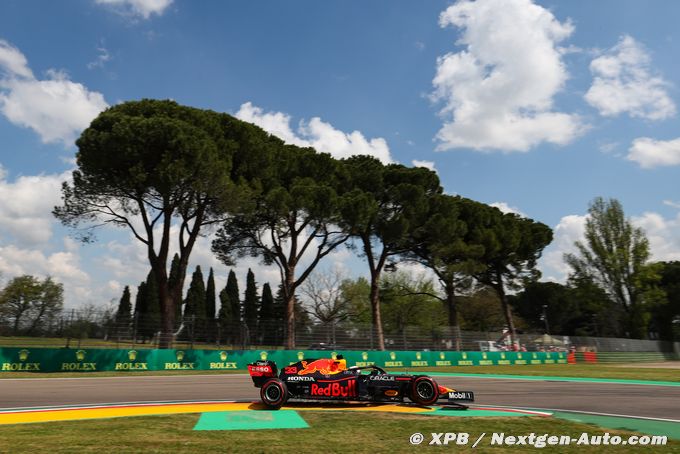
(323, 366)
(335, 389)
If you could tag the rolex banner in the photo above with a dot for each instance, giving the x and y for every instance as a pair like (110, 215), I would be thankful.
(93, 360)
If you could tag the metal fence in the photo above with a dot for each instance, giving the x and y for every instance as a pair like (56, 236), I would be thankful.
(103, 330)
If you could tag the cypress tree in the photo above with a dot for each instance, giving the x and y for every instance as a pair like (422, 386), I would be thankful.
(279, 309)
(225, 319)
(267, 304)
(210, 296)
(229, 317)
(225, 316)
(140, 301)
(124, 313)
(278, 317)
(251, 303)
(210, 322)
(194, 304)
(150, 321)
(140, 308)
(172, 281)
(233, 296)
(267, 321)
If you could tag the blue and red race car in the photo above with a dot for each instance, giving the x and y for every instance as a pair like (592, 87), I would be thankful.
(331, 379)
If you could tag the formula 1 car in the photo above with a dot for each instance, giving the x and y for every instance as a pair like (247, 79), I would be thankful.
(330, 379)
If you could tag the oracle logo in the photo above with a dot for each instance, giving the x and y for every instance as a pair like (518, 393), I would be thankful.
(381, 377)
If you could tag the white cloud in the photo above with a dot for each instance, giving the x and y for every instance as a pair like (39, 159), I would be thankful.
(56, 108)
(498, 92)
(143, 8)
(672, 204)
(64, 267)
(16, 261)
(649, 153)
(663, 235)
(126, 261)
(26, 231)
(103, 57)
(26, 208)
(505, 208)
(13, 62)
(276, 123)
(426, 164)
(571, 228)
(608, 147)
(624, 83)
(315, 133)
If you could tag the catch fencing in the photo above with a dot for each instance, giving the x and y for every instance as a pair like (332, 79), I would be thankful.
(90, 329)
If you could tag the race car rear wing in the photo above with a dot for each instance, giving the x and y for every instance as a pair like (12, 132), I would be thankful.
(261, 371)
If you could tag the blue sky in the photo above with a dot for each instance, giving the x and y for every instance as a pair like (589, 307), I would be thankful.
(537, 107)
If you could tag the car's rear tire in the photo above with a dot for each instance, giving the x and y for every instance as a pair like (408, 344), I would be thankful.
(424, 391)
(274, 393)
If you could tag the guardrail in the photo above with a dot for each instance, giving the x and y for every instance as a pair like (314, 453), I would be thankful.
(94, 360)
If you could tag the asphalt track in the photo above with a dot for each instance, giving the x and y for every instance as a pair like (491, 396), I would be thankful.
(647, 401)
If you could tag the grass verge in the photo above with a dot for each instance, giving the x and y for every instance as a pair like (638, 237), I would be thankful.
(328, 432)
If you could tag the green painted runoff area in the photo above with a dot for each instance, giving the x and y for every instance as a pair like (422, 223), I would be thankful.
(250, 420)
(290, 419)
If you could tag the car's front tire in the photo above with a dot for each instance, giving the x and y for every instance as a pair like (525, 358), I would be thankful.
(274, 393)
(424, 391)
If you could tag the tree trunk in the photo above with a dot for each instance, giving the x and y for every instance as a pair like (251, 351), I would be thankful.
(167, 320)
(167, 307)
(375, 310)
(506, 308)
(17, 319)
(289, 296)
(453, 314)
(37, 320)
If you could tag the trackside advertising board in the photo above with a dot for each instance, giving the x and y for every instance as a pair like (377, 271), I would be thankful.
(95, 360)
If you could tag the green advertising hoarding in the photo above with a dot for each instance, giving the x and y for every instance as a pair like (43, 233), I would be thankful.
(95, 360)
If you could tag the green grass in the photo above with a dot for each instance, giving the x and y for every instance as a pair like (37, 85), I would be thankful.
(328, 432)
